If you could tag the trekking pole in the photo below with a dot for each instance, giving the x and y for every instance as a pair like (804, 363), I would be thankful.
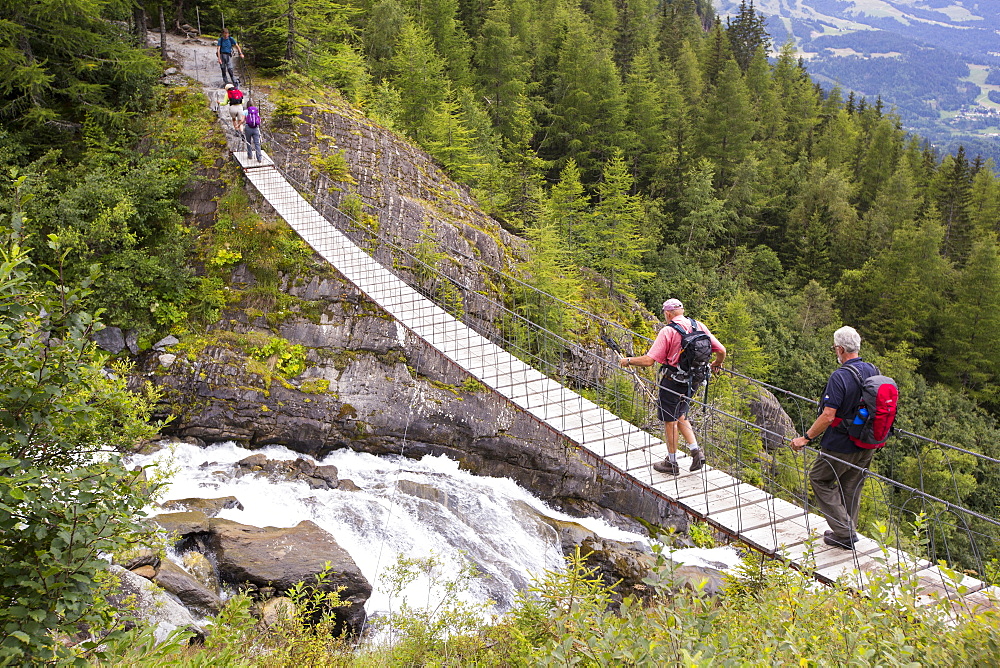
(611, 343)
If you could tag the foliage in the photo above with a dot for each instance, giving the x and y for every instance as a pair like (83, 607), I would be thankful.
(795, 622)
(701, 534)
(62, 62)
(315, 386)
(266, 248)
(286, 358)
(112, 204)
(333, 165)
(440, 628)
(66, 498)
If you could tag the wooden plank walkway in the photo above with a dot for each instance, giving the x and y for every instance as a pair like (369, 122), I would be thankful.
(764, 522)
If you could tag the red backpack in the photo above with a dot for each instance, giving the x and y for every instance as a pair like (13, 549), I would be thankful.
(235, 96)
(873, 420)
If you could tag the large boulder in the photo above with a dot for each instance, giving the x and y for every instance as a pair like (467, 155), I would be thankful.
(211, 507)
(153, 605)
(183, 524)
(280, 558)
(776, 427)
(194, 595)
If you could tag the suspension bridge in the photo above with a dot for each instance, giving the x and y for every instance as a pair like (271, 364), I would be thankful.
(772, 516)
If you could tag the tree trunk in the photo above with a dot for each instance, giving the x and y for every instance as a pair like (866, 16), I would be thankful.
(290, 43)
(139, 18)
(179, 15)
(163, 36)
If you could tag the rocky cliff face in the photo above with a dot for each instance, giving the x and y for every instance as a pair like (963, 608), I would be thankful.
(369, 384)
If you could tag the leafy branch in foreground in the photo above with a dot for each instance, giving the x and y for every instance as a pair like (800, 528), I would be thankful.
(66, 498)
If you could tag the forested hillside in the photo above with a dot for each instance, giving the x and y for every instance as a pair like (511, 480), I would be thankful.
(925, 59)
(654, 145)
(643, 141)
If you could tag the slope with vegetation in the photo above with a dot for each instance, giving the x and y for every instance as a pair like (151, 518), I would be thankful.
(638, 141)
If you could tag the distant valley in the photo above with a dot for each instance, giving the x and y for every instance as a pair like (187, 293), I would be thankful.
(936, 62)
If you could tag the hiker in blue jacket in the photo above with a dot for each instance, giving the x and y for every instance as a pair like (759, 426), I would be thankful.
(838, 473)
(224, 52)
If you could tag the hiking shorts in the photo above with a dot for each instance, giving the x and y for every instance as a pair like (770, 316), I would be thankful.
(234, 110)
(674, 400)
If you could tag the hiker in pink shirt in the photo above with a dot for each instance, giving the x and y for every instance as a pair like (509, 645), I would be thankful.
(679, 377)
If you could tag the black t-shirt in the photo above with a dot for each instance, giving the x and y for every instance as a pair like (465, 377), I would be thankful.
(843, 392)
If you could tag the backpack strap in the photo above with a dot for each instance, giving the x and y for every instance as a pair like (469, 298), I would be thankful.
(853, 368)
(680, 330)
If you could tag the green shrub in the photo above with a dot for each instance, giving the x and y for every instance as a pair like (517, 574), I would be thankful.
(288, 359)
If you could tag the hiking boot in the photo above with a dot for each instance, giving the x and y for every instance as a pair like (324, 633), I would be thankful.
(833, 541)
(697, 459)
(667, 466)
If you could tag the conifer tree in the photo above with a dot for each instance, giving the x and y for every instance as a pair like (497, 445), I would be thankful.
(823, 207)
(896, 295)
(768, 114)
(984, 200)
(501, 72)
(704, 217)
(726, 125)
(647, 131)
(734, 326)
(551, 270)
(969, 334)
(603, 15)
(567, 209)
(440, 19)
(636, 31)
(449, 140)
(60, 61)
(384, 23)
(418, 74)
(747, 33)
(689, 74)
(952, 185)
(716, 53)
(616, 240)
(673, 163)
(878, 161)
(678, 24)
(837, 141)
(799, 97)
(896, 204)
(588, 107)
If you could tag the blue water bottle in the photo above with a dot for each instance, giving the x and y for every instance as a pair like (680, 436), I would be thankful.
(861, 416)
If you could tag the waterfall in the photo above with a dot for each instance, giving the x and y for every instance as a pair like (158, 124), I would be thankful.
(417, 508)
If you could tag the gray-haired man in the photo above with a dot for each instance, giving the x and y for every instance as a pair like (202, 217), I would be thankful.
(838, 473)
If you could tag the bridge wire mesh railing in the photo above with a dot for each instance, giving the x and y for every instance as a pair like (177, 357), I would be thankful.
(744, 423)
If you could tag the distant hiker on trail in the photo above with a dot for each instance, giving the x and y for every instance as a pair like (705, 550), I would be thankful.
(680, 376)
(838, 473)
(234, 96)
(224, 53)
(251, 130)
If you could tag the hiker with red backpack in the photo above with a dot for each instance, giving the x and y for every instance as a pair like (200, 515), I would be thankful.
(234, 100)
(856, 416)
(251, 130)
(683, 347)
